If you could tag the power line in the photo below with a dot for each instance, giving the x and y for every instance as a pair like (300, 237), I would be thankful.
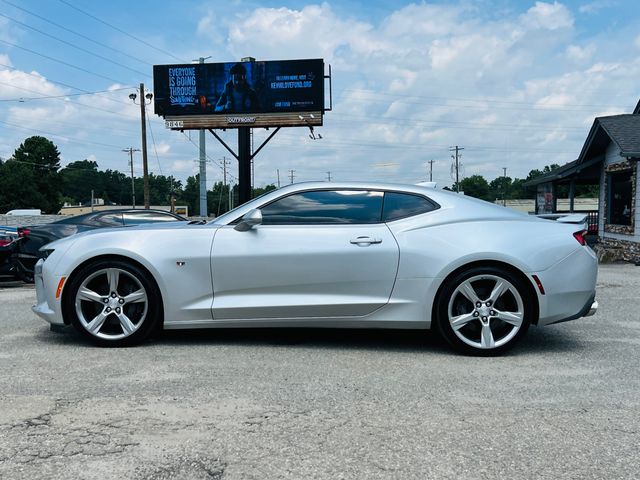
(119, 30)
(77, 33)
(477, 100)
(46, 97)
(71, 101)
(209, 158)
(454, 124)
(76, 46)
(423, 147)
(40, 77)
(68, 139)
(61, 62)
(153, 140)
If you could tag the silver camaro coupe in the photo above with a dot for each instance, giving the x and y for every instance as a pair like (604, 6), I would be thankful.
(338, 255)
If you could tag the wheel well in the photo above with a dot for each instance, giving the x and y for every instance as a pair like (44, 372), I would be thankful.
(109, 257)
(489, 263)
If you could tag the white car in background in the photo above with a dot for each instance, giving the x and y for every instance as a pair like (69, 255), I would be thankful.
(338, 255)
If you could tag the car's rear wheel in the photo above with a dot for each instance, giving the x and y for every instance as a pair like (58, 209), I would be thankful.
(484, 310)
(113, 303)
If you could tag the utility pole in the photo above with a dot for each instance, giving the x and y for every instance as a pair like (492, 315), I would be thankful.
(278, 172)
(172, 197)
(328, 176)
(130, 151)
(431, 170)
(253, 172)
(291, 175)
(504, 186)
(145, 165)
(456, 157)
(225, 162)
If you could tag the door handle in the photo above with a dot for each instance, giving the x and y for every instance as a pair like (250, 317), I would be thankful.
(365, 241)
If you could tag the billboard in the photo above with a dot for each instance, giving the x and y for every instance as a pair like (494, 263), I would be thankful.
(235, 94)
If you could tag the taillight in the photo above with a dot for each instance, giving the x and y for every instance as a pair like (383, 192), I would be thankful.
(23, 232)
(579, 236)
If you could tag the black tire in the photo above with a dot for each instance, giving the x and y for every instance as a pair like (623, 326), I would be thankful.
(484, 328)
(123, 320)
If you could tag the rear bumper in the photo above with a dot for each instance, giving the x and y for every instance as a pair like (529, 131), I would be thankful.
(570, 287)
(589, 309)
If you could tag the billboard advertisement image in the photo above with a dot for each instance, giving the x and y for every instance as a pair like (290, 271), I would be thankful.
(239, 88)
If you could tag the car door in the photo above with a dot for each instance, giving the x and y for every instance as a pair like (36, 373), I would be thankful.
(321, 253)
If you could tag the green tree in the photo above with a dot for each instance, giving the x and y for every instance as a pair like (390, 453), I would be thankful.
(117, 187)
(500, 188)
(191, 194)
(475, 186)
(30, 177)
(79, 179)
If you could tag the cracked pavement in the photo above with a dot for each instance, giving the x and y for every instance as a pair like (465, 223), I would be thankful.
(292, 404)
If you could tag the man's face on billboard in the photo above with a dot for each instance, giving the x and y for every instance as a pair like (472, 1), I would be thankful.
(238, 79)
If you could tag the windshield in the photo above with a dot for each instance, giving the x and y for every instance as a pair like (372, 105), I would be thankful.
(231, 213)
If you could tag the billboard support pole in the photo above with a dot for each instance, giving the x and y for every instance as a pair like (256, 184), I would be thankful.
(244, 157)
(223, 143)
(244, 165)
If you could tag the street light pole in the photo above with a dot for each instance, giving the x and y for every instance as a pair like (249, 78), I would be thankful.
(145, 165)
(143, 118)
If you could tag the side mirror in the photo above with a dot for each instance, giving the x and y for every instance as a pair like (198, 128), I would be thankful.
(249, 220)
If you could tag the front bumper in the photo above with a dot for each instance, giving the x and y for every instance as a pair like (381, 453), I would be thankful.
(47, 306)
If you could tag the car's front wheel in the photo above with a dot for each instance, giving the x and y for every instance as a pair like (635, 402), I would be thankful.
(484, 310)
(113, 303)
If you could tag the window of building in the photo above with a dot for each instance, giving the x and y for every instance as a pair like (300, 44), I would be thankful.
(325, 207)
(619, 198)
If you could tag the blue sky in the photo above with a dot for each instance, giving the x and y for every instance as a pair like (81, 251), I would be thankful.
(516, 83)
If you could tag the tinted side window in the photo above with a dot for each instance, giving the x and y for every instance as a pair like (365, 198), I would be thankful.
(401, 205)
(138, 218)
(107, 220)
(325, 207)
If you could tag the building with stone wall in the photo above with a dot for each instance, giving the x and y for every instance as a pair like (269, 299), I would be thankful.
(609, 159)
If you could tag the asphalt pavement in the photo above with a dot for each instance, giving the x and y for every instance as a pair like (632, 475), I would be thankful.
(326, 404)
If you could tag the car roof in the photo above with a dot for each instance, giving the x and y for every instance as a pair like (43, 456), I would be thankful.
(472, 207)
(76, 219)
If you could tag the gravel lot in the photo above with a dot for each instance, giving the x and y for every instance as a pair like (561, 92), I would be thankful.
(301, 404)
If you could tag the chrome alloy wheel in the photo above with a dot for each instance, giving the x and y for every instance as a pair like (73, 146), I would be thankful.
(111, 304)
(486, 311)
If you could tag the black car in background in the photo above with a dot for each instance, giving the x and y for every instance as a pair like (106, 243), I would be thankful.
(25, 252)
(8, 237)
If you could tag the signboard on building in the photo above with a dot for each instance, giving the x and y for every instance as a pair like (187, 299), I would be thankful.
(240, 94)
(545, 199)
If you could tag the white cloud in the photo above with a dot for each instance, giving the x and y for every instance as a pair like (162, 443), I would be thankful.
(596, 6)
(580, 54)
(5, 60)
(18, 84)
(548, 16)
(314, 31)
(517, 90)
